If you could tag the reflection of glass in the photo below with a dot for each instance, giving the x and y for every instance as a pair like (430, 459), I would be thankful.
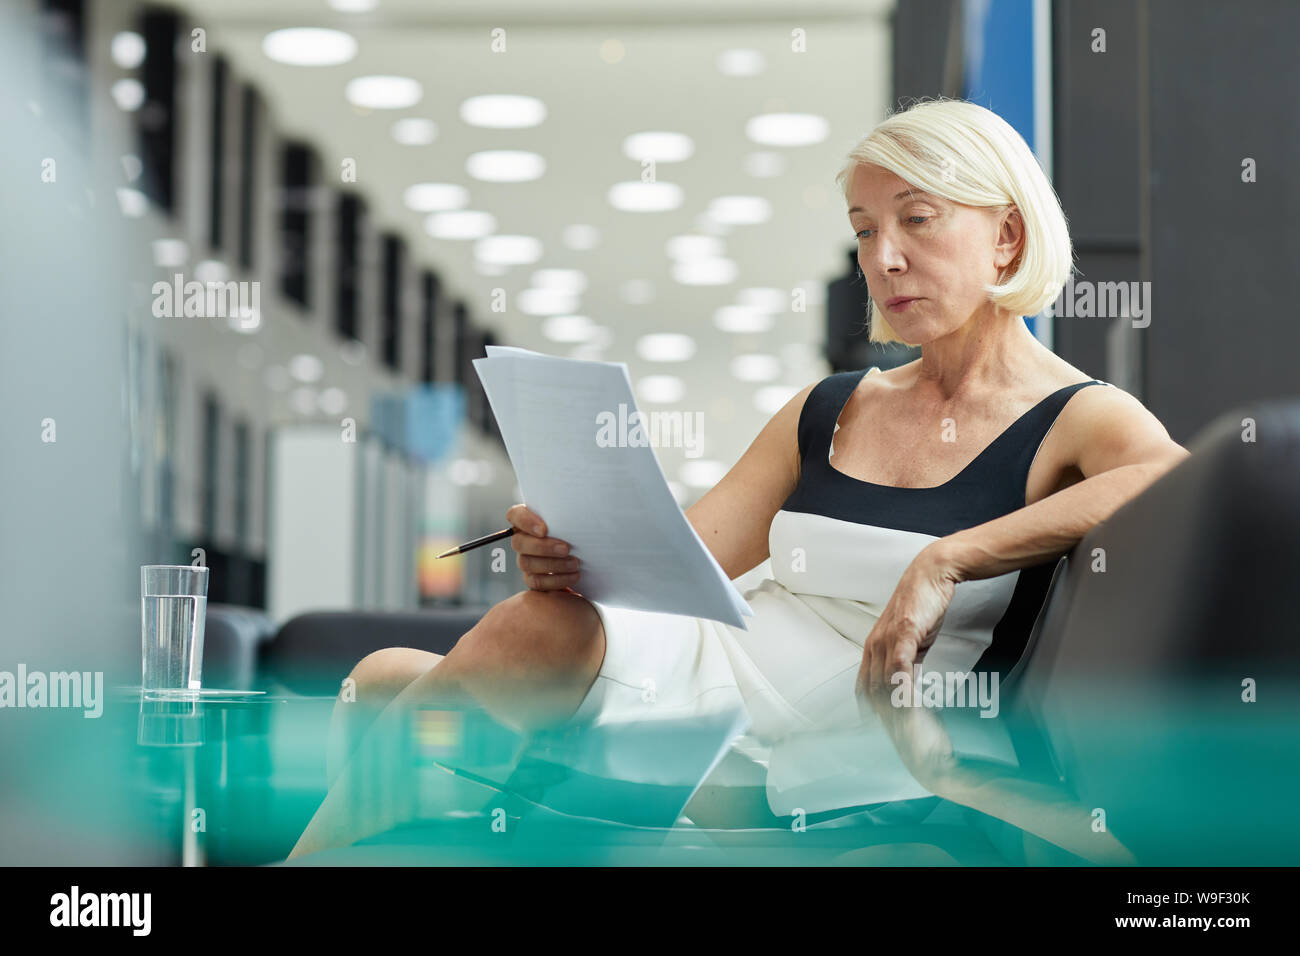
(173, 607)
(169, 723)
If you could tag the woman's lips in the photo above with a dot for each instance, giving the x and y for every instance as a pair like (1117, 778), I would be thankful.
(900, 304)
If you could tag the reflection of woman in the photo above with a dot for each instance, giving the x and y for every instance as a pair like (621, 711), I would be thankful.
(898, 509)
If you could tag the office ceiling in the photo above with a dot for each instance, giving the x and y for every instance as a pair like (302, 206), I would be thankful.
(605, 71)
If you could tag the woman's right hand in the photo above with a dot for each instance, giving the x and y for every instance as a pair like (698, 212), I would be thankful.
(545, 562)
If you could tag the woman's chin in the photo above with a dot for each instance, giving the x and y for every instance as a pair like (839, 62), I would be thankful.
(919, 336)
(913, 338)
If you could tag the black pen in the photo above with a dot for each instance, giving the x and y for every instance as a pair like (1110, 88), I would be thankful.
(479, 542)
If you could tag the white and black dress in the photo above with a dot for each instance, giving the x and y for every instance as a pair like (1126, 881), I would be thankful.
(838, 548)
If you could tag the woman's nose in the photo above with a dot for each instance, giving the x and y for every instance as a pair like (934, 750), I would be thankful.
(886, 258)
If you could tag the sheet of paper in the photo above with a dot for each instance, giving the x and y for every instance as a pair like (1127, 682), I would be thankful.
(609, 500)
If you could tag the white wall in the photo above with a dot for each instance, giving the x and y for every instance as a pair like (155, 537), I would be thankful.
(312, 537)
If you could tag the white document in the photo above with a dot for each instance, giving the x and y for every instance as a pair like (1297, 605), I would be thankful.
(611, 504)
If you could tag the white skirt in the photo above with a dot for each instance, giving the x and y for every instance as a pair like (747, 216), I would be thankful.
(791, 675)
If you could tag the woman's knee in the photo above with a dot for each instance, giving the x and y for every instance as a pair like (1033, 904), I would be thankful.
(382, 675)
(557, 627)
(371, 686)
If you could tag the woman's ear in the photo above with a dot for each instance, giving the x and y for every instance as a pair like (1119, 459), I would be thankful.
(1011, 240)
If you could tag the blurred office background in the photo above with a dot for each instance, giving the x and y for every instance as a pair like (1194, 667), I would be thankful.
(651, 183)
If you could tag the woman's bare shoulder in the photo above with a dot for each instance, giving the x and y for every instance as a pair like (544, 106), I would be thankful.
(1106, 427)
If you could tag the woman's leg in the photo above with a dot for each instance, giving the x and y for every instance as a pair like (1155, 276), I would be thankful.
(372, 685)
(529, 663)
(734, 795)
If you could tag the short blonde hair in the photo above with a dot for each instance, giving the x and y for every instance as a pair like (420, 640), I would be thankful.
(969, 155)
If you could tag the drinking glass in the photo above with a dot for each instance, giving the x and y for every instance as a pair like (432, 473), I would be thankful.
(173, 607)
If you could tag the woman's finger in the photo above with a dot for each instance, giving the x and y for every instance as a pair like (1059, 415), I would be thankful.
(521, 519)
(536, 565)
(878, 655)
(541, 547)
(902, 659)
(550, 582)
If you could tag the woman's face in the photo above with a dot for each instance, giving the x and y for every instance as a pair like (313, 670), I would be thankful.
(917, 245)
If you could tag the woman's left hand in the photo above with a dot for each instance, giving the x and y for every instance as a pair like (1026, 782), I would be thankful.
(919, 737)
(908, 625)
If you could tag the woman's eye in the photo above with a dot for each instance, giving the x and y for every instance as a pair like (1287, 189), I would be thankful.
(924, 219)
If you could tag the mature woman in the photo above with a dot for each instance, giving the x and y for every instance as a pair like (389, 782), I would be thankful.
(912, 515)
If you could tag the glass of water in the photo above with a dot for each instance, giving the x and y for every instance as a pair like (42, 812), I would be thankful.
(173, 607)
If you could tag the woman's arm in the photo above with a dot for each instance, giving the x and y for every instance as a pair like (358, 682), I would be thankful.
(1115, 443)
(734, 516)
(1046, 529)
